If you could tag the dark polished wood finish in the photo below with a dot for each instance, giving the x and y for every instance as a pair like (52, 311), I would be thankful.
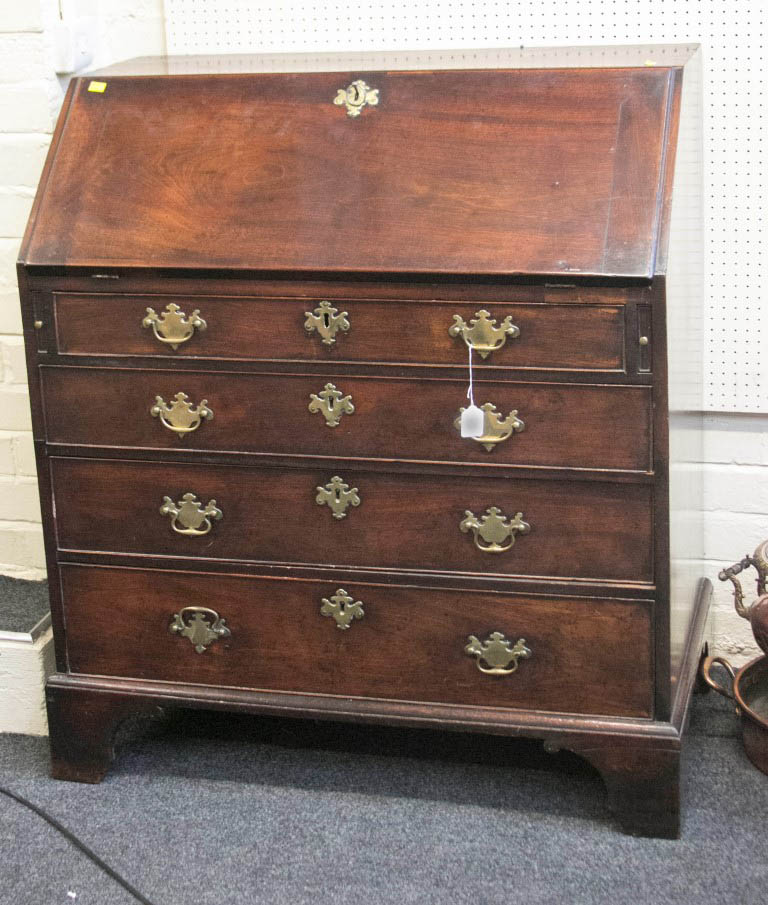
(430, 181)
(566, 425)
(409, 645)
(402, 522)
(391, 331)
(543, 194)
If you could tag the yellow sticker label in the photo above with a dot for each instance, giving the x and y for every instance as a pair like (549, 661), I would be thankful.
(98, 87)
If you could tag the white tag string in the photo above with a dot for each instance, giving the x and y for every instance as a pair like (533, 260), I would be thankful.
(470, 392)
(472, 419)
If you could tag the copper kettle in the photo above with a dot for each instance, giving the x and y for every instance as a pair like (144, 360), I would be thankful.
(757, 613)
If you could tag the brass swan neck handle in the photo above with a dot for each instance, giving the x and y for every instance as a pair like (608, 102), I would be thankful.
(180, 415)
(173, 327)
(482, 334)
(493, 531)
(501, 658)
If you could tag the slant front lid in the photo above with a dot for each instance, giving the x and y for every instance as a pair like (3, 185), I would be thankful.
(552, 172)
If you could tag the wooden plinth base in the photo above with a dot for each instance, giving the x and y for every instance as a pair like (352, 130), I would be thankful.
(639, 760)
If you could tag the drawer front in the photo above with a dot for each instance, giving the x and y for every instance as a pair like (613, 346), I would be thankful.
(583, 655)
(569, 425)
(586, 530)
(565, 336)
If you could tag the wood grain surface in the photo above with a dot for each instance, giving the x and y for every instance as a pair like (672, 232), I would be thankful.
(486, 172)
(578, 529)
(565, 336)
(584, 426)
(588, 656)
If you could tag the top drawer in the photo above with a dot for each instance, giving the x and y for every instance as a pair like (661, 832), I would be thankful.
(546, 336)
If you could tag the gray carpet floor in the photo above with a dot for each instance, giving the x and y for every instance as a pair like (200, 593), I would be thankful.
(22, 603)
(206, 809)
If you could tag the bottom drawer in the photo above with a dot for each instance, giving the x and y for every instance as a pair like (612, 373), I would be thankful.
(578, 655)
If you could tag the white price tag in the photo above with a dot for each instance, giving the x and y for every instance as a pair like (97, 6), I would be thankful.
(472, 422)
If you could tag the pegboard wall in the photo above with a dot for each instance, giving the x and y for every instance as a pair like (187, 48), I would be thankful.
(733, 36)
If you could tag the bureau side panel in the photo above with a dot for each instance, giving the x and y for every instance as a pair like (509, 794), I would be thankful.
(30, 314)
(681, 260)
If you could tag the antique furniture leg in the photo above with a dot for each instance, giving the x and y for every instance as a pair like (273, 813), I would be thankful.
(641, 767)
(700, 686)
(642, 780)
(82, 724)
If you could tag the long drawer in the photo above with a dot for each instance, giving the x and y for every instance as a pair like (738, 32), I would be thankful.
(576, 655)
(551, 336)
(338, 516)
(540, 424)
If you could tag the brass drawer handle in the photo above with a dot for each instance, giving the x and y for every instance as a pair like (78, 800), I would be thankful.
(482, 334)
(172, 326)
(332, 404)
(327, 321)
(189, 516)
(495, 428)
(493, 532)
(181, 416)
(497, 654)
(342, 608)
(202, 626)
(338, 496)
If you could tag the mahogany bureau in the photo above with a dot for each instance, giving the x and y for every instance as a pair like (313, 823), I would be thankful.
(249, 303)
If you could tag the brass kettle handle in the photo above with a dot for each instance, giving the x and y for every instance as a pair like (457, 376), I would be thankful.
(189, 516)
(705, 671)
(493, 532)
(501, 658)
(172, 327)
(482, 334)
(201, 625)
(180, 416)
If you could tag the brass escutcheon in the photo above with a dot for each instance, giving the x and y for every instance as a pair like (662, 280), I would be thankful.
(332, 404)
(493, 532)
(327, 321)
(181, 416)
(355, 96)
(202, 626)
(342, 608)
(172, 326)
(482, 334)
(495, 429)
(189, 516)
(497, 654)
(338, 496)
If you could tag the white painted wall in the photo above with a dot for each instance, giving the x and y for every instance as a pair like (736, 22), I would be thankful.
(30, 97)
(736, 505)
(736, 458)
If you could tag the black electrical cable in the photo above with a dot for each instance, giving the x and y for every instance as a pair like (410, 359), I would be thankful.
(70, 837)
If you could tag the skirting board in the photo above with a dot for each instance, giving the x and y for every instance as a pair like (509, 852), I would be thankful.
(25, 664)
